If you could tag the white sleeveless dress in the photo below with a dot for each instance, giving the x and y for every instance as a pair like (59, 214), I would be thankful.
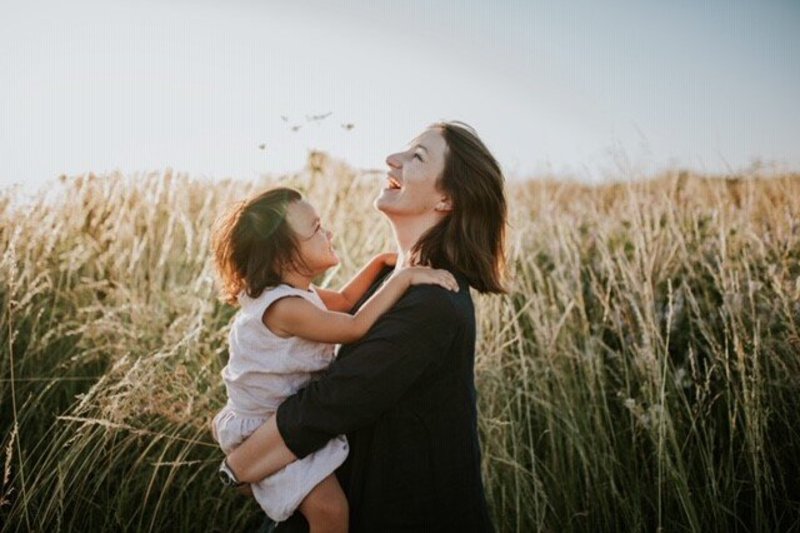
(263, 370)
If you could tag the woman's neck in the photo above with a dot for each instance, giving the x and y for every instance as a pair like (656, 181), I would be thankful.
(407, 232)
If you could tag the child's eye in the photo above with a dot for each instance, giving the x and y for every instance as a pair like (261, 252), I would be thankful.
(417, 156)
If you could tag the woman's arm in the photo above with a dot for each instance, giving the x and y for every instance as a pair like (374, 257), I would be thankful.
(407, 342)
(345, 298)
(300, 318)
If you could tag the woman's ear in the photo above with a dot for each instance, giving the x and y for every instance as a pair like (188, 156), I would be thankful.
(444, 205)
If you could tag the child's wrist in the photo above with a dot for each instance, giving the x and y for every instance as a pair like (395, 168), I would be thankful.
(403, 277)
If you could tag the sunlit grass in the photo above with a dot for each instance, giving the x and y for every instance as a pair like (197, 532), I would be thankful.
(643, 372)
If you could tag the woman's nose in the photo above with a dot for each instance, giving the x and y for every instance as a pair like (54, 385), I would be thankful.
(393, 161)
(329, 233)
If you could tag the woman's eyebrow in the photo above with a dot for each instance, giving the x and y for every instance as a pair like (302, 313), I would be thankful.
(418, 145)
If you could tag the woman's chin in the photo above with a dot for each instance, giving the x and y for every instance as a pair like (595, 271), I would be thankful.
(387, 206)
(386, 200)
(379, 202)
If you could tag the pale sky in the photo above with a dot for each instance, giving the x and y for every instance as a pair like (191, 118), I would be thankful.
(584, 88)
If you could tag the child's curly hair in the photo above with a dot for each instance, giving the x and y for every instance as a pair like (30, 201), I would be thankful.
(252, 242)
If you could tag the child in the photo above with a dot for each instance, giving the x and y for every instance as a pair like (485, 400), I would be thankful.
(267, 251)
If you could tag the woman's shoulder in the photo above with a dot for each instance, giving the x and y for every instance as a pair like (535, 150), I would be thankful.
(436, 303)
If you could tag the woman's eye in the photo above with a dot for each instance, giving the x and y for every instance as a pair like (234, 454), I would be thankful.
(417, 156)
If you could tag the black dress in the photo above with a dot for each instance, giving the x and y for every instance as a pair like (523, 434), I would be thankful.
(405, 397)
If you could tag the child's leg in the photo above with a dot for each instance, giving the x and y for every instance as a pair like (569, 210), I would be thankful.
(326, 507)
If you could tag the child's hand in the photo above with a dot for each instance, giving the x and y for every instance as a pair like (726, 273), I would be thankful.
(389, 258)
(420, 275)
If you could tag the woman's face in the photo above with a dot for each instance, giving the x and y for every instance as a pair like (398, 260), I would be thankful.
(410, 188)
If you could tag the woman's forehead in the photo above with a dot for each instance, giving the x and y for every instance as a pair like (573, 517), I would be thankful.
(432, 141)
(431, 135)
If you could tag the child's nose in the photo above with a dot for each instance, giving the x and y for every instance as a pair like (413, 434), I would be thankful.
(329, 234)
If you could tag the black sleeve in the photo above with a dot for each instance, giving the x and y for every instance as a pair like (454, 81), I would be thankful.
(408, 340)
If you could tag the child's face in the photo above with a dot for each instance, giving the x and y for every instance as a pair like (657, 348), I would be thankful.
(314, 242)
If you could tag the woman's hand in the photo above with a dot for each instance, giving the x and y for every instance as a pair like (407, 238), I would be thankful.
(420, 275)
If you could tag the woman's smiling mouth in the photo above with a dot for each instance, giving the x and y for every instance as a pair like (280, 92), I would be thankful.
(393, 183)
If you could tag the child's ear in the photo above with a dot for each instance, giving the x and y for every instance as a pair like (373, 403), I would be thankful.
(444, 204)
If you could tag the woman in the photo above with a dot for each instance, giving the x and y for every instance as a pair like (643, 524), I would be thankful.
(404, 394)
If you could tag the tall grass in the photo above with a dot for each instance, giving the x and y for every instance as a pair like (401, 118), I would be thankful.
(643, 373)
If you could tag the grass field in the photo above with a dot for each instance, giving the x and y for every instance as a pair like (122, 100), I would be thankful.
(643, 372)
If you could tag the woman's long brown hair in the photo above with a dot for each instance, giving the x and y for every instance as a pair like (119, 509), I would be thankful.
(471, 238)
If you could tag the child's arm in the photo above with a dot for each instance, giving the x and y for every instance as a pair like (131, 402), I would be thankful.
(300, 318)
(345, 298)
